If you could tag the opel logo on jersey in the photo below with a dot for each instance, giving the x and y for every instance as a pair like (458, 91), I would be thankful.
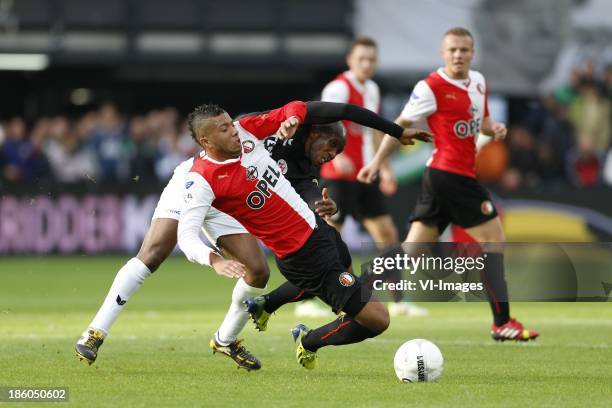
(487, 207)
(282, 165)
(251, 173)
(256, 199)
(467, 128)
(346, 279)
(248, 146)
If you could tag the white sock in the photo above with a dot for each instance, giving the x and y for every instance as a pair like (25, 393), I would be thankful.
(126, 283)
(236, 316)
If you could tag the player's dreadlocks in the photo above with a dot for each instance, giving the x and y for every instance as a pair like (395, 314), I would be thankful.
(199, 119)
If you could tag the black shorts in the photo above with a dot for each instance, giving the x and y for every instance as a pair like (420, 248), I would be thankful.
(316, 269)
(356, 199)
(343, 251)
(452, 198)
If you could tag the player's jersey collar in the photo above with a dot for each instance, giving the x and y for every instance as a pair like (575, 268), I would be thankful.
(353, 79)
(459, 83)
(204, 156)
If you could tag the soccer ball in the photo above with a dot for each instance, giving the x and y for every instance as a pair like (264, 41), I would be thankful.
(418, 360)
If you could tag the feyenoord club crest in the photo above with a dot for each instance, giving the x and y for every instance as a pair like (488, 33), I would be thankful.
(248, 146)
(282, 165)
(251, 173)
(346, 279)
(486, 207)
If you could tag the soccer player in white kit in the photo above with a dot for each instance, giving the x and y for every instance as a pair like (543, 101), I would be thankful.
(158, 244)
(226, 233)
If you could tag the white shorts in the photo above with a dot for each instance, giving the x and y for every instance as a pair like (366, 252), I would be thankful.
(216, 224)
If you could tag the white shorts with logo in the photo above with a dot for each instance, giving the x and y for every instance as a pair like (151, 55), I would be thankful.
(216, 224)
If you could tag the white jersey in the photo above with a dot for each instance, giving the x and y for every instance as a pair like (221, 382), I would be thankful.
(216, 224)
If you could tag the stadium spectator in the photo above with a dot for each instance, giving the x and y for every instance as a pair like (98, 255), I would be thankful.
(590, 115)
(21, 159)
(584, 163)
(555, 138)
(109, 141)
(142, 151)
(522, 148)
(70, 161)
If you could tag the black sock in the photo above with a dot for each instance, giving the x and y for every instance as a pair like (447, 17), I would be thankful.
(495, 285)
(285, 293)
(343, 330)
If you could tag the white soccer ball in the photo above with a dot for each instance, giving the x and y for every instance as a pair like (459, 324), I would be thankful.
(418, 360)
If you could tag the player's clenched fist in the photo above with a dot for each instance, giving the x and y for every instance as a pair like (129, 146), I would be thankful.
(227, 267)
(499, 130)
(410, 135)
(288, 127)
(325, 207)
(368, 173)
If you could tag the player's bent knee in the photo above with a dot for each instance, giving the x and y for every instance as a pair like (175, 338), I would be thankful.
(374, 316)
(257, 275)
(382, 318)
(154, 255)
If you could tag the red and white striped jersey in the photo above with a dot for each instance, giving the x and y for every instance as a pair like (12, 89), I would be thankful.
(454, 111)
(359, 139)
(251, 188)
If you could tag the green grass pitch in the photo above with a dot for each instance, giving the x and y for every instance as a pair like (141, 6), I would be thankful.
(157, 353)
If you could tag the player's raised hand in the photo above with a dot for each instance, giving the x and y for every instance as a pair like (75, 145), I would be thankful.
(499, 130)
(410, 135)
(325, 207)
(368, 173)
(288, 128)
(227, 267)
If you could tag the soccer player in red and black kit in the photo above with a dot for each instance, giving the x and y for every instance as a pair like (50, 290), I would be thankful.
(248, 185)
(453, 101)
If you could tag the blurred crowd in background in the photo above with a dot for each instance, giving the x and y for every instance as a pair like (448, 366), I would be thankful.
(100, 146)
(563, 139)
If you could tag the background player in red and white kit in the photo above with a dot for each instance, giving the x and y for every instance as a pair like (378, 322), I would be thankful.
(453, 102)
(363, 202)
(248, 185)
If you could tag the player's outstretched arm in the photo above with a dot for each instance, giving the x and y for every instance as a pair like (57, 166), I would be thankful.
(328, 112)
(368, 173)
(198, 197)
